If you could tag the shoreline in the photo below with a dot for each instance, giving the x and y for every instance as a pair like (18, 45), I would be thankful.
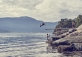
(71, 43)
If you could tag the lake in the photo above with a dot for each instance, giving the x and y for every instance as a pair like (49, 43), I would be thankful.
(25, 45)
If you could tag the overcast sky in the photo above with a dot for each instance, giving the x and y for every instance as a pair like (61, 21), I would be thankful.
(46, 10)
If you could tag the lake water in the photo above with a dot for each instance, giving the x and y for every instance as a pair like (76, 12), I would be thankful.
(25, 45)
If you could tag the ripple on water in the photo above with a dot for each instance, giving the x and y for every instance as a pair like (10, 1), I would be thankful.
(24, 47)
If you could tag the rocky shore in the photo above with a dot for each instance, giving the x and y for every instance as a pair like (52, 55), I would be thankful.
(71, 43)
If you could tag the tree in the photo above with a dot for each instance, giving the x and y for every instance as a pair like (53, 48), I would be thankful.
(78, 20)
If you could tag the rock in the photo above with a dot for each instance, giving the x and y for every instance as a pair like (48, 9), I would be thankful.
(72, 30)
(54, 38)
(66, 48)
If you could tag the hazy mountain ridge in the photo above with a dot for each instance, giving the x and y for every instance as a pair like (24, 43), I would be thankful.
(23, 24)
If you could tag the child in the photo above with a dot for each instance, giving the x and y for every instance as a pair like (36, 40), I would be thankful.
(48, 37)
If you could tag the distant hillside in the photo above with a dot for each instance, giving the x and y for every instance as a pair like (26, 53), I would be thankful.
(24, 24)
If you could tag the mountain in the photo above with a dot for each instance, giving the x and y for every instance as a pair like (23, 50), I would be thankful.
(24, 24)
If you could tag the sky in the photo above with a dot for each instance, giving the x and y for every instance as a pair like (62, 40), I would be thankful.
(45, 10)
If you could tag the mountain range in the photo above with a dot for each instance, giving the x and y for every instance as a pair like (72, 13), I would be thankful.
(24, 24)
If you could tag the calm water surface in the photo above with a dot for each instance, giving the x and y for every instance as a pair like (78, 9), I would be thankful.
(25, 45)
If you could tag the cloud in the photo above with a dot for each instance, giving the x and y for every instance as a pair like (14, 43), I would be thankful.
(46, 10)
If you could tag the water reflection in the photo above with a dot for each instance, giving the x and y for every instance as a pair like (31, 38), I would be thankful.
(50, 49)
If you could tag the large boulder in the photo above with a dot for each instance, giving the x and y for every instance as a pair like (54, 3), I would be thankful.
(66, 48)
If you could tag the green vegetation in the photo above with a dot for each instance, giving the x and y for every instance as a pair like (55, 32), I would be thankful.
(78, 20)
(64, 23)
(67, 23)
